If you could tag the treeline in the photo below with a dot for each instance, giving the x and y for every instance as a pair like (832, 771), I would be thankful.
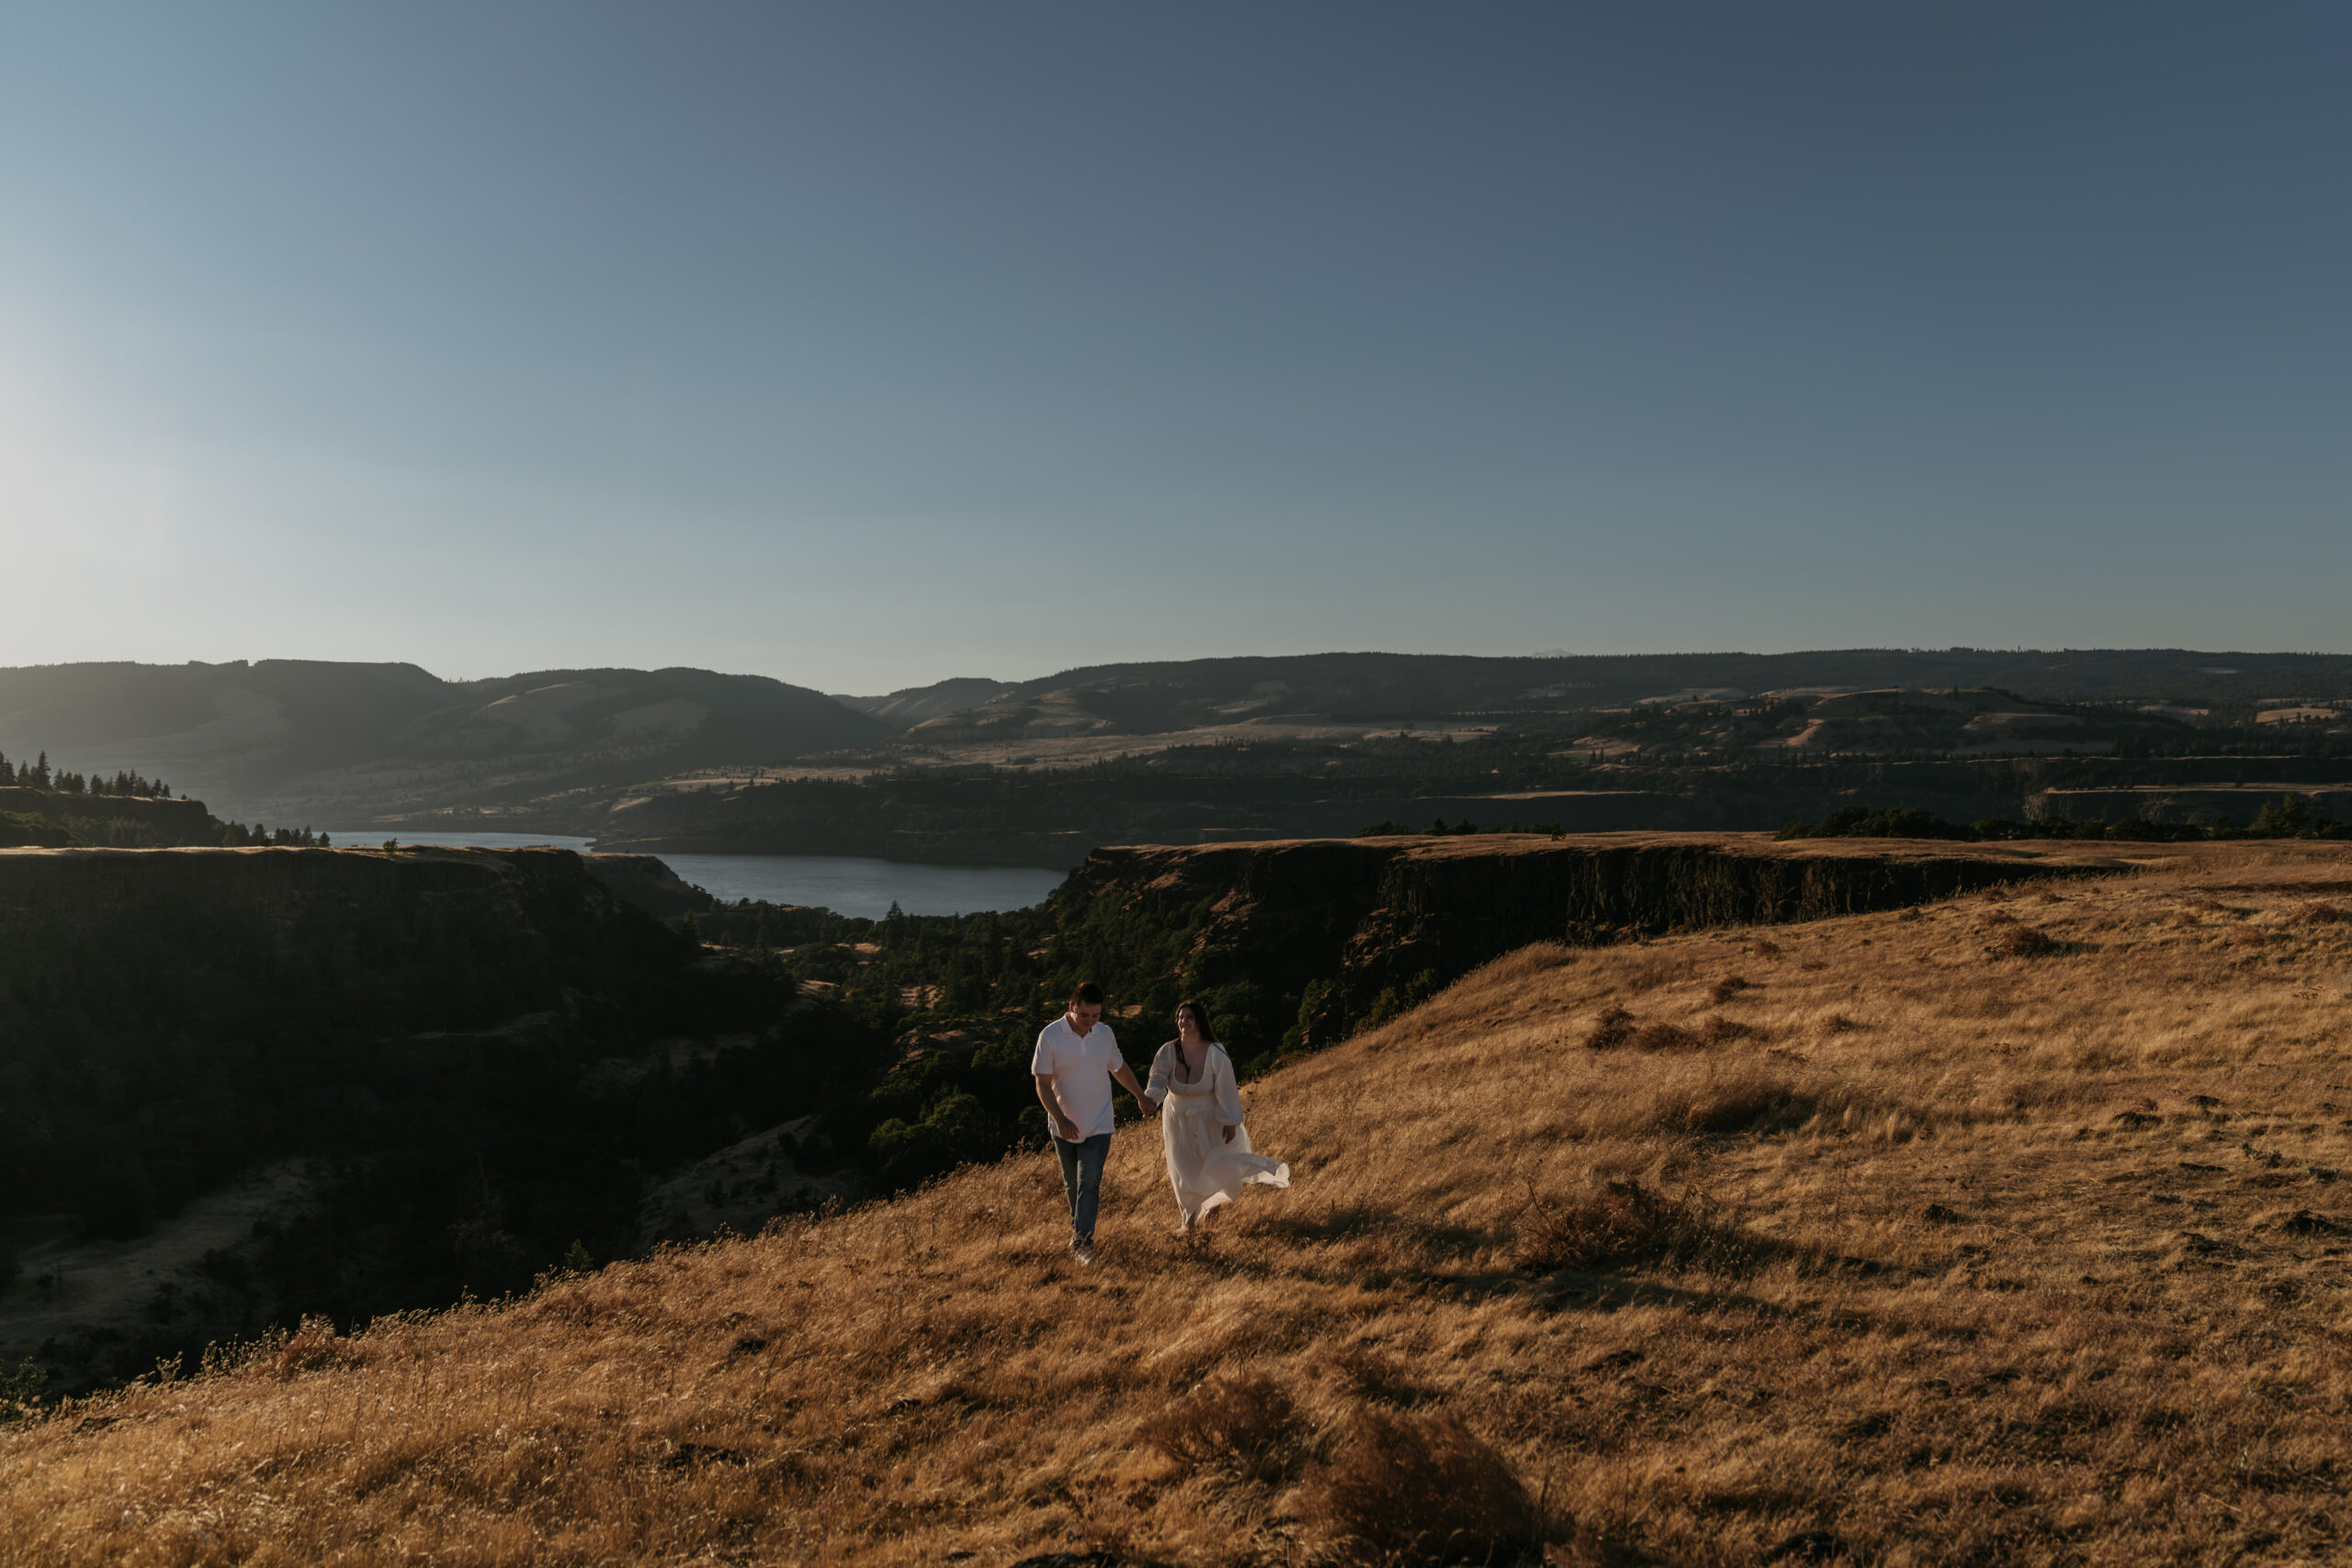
(38, 775)
(236, 835)
(1441, 828)
(72, 817)
(2282, 816)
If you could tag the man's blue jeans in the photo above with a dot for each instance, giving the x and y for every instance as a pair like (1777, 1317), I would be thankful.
(1082, 1182)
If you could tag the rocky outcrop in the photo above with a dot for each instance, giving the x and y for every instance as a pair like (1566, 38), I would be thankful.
(649, 883)
(1331, 925)
(129, 821)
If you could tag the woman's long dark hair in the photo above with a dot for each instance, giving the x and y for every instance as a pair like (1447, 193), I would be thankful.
(1200, 1020)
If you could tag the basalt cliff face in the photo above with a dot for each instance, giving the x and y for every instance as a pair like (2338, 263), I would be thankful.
(1355, 929)
(339, 928)
(440, 1068)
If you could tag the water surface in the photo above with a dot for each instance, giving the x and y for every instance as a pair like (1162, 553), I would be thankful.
(848, 884)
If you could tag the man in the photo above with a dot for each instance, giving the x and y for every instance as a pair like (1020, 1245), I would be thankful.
(1076, 1062)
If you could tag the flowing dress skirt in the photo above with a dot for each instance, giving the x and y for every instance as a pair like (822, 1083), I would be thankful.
(1205, 1169)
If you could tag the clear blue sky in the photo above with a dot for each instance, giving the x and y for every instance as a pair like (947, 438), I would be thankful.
(863, 344)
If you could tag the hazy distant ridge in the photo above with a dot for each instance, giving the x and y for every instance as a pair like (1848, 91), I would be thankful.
(307, 739)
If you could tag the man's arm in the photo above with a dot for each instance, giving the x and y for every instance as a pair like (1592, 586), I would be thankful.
(1055, 1117)
(1126, 1076)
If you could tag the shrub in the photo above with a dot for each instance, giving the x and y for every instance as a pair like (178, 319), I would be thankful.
(1663, 1037)
(1611, 1029)
(1367, 1374)
(1745, 1101)
(1395, 1001)
(955, 1130)
(2282, 818)
(20, 1390)
(1625, 1223)
(1896, 822)
(1412, 1489)
(1247, 1426)
(2321, 915)
(314, 1348)
(1729, 986)
(2025, 942)
(30, 827)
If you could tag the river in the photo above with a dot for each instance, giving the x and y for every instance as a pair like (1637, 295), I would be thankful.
(847, 885)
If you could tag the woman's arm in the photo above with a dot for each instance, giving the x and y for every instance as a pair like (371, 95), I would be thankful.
(1157, 1089)
(1228, 1093)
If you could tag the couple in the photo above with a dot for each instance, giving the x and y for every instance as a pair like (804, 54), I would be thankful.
(1209, 1160)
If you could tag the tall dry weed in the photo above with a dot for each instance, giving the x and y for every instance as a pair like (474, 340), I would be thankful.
(1623, 1223)
(1743, 1099)
(1248, 1426)
(1419, 1489)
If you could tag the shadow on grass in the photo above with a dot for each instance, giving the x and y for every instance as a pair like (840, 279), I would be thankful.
(1599, 1254)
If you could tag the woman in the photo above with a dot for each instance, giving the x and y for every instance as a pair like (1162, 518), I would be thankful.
(1192, 1086)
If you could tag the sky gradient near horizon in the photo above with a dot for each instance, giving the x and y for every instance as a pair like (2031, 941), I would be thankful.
(866, 344)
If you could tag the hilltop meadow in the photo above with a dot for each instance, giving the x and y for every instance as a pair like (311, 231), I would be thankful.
(2003, 1229)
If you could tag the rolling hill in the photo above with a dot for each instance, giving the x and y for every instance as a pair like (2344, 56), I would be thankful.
(2005, 1229)
(304, 741)
(1149, 698)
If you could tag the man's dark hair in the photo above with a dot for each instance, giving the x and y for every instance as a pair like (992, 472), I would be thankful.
(1088, 994)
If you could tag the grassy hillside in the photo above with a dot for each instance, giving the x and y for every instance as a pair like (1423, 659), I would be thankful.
(2005, 1230)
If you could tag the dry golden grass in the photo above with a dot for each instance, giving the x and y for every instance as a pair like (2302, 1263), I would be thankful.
(1958, 1257)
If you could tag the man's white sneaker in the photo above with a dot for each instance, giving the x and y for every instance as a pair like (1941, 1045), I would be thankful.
(1084, 1252)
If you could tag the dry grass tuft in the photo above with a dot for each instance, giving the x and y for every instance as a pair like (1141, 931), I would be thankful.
(1623, 1223)
(2026, 942)
(2317, 914)
(1369, 1375)
(1416, 1489)
(1663, 1037)
(1246, 1426)
(1741, 1100)
(1611, 1029)
(1764, 947)
(1727, 988)
(313, 1347)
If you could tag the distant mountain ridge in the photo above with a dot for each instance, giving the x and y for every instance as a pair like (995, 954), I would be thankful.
(312, 740)
(1156, 697)
(340, 745)
(911, 706)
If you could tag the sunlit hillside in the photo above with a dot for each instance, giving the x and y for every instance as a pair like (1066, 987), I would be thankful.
(2005, 1230)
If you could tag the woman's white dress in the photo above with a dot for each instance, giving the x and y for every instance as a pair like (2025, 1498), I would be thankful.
(1205, 1169)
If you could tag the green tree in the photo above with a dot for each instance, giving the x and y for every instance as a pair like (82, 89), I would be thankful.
(2285, 817)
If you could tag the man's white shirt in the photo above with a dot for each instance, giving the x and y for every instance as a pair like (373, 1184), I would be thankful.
(1082, 1070)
